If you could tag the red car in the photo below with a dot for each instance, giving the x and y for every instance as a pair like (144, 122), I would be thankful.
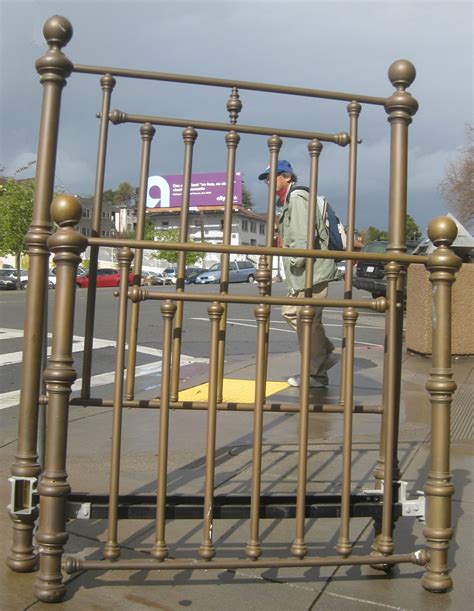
(106, 276)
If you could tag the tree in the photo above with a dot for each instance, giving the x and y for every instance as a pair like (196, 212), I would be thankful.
(247, 198)
(373, 234)
(125, 195)
(412, 230)
(108, 196)
(16, 211)
(171, 256)
(457, 187)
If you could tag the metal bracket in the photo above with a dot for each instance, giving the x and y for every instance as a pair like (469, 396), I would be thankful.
(21, 498)
(84, 512)
(414, 508)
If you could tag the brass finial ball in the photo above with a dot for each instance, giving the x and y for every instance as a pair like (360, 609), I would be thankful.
(57, 31)
(402, 73)
(442, 231)
(66, 210)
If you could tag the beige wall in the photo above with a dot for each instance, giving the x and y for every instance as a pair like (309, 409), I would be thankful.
(419, 311)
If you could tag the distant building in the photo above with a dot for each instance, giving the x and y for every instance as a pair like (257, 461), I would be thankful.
(207, 225)
(107, 224)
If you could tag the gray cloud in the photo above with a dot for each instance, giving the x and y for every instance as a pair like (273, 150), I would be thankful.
(345, 46)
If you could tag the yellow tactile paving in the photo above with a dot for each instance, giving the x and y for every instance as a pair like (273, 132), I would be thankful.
(233, 391)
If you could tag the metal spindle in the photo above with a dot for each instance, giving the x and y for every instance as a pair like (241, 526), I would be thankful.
(314, 147)
(254, 549)
(189, 137)
(112, 549)
(160, 550)
(207, 550)
(344, 546)
(299, 547)
(147, 132)
(107, 83)
(353, 110)
(232, 140)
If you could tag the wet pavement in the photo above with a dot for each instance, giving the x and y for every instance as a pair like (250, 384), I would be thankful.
(352, 587)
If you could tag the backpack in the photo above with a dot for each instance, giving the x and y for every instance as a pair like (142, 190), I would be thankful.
(336, 231)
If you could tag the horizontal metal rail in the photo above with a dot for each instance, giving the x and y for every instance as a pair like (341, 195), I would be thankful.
(225, 507)
(117, 117)
(258, 250)
(220, 82)
(228, 406)
(73, 565)
(379, 304)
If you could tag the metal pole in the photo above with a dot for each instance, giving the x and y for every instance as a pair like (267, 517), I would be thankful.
(67, 244)
(54, 68)
(442, 264)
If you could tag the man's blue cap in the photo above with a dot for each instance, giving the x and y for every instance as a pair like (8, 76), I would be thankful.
(282, 166)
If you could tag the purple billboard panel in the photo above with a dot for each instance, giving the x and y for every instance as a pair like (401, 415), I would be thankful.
(207, 189)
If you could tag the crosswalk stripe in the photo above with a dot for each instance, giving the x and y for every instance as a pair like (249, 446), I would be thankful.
(12, 398)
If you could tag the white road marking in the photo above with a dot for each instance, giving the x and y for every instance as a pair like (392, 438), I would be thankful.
(368, 602)
(12, 398)
(242, 324)
(282, 322)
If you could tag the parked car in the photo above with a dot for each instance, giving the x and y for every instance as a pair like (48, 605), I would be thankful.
(106, 276)
(370, 275)
(155, 278)
(51, 280)
(239, 271)
(170, 272)
(7, 279)
(192, 273)
(341, 268)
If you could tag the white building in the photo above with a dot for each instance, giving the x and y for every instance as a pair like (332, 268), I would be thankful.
(206, 224)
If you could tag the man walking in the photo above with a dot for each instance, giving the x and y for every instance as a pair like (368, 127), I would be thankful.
(293, 227)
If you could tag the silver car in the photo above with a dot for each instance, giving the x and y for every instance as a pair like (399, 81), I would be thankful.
(239, 271)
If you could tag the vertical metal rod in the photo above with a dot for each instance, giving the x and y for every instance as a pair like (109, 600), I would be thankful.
(253, 549)
(207, 550)
(274, 144)
(160, 550)
(353, 110)
(189, 138)
(111, 548)
(442, 264)
(385, 541)
(54, 68)
(344, 546)
(67, 245)
(314, 147)
(232, 140)
(399, 107)
(147, 131)
(299, 547)
(43, 408)
(107, 82)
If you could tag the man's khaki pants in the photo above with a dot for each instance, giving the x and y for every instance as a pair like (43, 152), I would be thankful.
(321, 346)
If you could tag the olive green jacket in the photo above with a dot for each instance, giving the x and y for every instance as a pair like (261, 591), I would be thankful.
(293, 227)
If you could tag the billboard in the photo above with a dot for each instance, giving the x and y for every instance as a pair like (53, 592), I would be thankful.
(207, 189)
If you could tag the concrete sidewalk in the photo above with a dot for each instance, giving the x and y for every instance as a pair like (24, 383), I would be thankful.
(245, 589)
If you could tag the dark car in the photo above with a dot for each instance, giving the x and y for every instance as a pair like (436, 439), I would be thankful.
(192, 273)
(155, 279)
(7, 279)
(370, 275)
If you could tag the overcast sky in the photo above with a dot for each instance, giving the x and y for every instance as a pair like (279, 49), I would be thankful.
(343, 46)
